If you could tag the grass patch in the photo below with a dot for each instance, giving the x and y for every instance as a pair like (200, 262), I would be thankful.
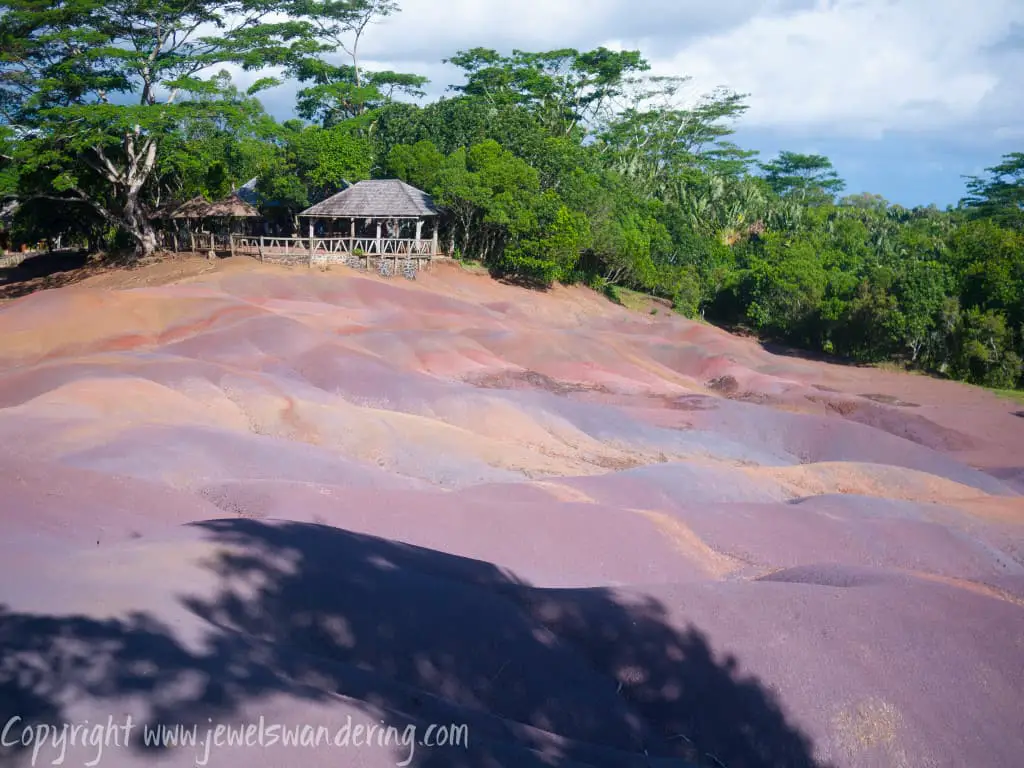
(633, 300)
(893, 366)
(643, 302)
(473, 266)
(1010, 394)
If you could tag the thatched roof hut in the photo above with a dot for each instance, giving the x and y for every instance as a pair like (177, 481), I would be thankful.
(376, 199)
(231, 207)
(193, 209)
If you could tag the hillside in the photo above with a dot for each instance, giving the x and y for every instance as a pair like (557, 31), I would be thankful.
(597, 537)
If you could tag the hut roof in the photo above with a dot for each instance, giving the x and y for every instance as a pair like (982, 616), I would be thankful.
(231, 206)
(379, 198)
(193, 209)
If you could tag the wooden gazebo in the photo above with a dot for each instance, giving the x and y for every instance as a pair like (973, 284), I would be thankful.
(382, 217)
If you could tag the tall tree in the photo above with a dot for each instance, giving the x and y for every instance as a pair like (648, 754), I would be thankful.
(334, 95)
(807, 178)
(658, 142)
(93, 85)
(564, 88)
(1000, 196)
(343, 23)
(338, 92)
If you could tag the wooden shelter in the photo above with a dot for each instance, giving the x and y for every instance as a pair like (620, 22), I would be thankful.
(217, 221)
(231, 208)
(382, 217)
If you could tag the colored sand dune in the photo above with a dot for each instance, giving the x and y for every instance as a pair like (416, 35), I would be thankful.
(594, 537)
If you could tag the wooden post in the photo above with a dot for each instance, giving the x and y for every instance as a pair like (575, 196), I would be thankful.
(192, 239)
(419, 233)
(231, 239)
(433, 242)
(378, 238)
(261, 247)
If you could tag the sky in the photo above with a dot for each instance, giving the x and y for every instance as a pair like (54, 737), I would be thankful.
(904, 96)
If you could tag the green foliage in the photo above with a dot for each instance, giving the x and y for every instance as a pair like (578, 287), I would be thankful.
(327, 157)
(990, 263)
(783, 285)
(984, 350)
(311, 163)
(552, 253)
(97, 85)
(807, 178)
(999, 197)
(563, 88)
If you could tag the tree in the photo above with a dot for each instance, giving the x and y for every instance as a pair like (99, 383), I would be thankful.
(1001, 195)
(335, 97)
(990, 262)
(810, 179)
(784, 285)
(340, 92)
(418, 164)
(664, 147)
(94, 85)
(564, 88)
(312, 163)
(342, 24)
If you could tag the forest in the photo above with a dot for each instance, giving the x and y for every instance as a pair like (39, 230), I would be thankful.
(554, 166)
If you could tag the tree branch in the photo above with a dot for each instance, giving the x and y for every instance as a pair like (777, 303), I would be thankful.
(80, 197)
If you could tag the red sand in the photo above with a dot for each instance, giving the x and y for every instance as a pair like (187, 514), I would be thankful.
(595, 537)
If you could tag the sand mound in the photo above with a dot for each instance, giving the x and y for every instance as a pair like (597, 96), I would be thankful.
(236, 491)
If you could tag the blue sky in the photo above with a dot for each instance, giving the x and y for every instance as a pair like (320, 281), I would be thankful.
(905, 96)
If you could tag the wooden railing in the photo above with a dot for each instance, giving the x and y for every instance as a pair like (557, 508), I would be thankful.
(388, 256)
(330, 249)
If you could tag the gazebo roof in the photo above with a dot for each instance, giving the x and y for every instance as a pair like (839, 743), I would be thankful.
(379, 198)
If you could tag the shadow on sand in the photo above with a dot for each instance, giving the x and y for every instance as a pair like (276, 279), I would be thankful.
(42, 271)
(411, 635)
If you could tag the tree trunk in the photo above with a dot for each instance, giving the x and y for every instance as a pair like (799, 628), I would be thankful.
(138, 226)
(128, 181)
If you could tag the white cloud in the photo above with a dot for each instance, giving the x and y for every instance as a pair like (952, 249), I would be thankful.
(863, 67)
(856, 68)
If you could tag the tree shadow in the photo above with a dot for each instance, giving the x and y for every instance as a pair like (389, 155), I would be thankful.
(414, 636)
(45, 270)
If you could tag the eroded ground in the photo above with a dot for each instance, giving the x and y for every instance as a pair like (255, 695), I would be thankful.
(594, 536)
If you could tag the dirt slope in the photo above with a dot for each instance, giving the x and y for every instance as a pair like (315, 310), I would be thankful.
(594, 537)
